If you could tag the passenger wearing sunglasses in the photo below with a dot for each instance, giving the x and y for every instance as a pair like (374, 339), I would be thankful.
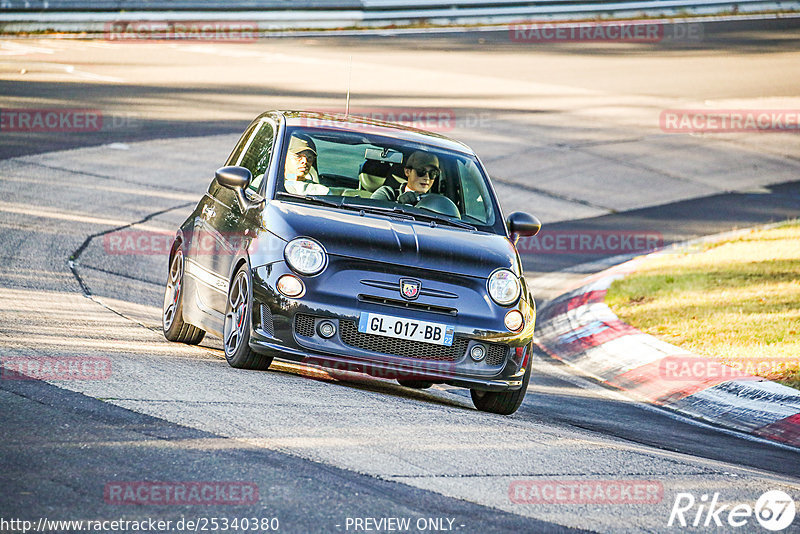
(421, 169)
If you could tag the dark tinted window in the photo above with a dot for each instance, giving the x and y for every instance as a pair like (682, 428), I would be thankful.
(357, 164)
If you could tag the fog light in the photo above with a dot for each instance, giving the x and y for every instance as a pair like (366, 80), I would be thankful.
(291, 286)
(477, 352)
(326, 329)
(514, 320)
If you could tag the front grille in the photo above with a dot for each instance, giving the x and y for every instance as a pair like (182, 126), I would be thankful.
(266, 320)
(348, 331)
(424, 291)
(396, 303)
(401, 347)
(497, 354)
(304, 325)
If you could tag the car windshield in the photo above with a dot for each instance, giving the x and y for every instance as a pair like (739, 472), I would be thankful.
(359, 169)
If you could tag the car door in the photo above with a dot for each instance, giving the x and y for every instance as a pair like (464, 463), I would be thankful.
(234, 225)
(206, 242)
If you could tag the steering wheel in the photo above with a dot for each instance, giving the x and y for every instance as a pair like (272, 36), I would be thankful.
(438, 204)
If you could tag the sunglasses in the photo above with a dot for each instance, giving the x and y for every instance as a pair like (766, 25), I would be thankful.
(310, 157)
(433, 173)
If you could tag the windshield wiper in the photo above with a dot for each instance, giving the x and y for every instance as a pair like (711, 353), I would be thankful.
(398, 210)
(308, 198)
(391, 212)
(394, 212)
(438, 219)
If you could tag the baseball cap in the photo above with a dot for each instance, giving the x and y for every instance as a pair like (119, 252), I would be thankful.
(297, 145)
(421, 159)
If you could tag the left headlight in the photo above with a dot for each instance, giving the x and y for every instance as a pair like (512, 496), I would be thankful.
(305, 256)
(504, 287)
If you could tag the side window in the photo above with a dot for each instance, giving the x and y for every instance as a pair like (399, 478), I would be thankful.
(474, 192)
(256, 154)
(240, 146)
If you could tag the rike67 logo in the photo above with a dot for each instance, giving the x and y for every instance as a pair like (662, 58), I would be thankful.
(774, 510)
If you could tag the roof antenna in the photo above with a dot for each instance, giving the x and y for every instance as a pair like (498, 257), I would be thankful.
(349, 77)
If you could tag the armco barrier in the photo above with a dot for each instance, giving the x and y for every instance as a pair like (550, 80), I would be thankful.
(542, 6)
(271, 15)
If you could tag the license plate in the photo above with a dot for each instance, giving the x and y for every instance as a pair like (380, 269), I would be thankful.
(410, 329)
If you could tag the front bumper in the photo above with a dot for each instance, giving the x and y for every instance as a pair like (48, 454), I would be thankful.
(385, 369)
(287, 328)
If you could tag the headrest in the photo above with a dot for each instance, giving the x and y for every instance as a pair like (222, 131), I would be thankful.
(372, 174)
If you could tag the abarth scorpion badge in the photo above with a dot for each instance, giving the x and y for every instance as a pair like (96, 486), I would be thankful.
(409, 288)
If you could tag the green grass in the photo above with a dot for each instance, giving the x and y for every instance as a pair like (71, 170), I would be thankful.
(737, 300)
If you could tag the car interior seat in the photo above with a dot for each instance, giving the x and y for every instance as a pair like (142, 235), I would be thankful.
(372, 175)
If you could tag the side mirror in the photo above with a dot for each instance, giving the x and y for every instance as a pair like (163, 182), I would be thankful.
(233, 177)
(521, 224)
(237, 178)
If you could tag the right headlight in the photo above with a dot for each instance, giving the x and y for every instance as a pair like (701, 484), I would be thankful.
(305, 256)
(504, 287)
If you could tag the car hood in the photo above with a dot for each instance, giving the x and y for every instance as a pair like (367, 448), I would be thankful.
(380, 238)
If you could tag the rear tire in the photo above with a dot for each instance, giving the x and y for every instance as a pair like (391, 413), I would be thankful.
(175, 329)
(236, 331)
(416, 384)
(504, 402)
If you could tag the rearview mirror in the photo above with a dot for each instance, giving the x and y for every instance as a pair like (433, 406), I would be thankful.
(386, 154)
(521, 224)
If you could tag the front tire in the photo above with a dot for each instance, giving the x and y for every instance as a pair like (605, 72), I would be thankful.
(175, 329)
(236, 330)
(504, 402)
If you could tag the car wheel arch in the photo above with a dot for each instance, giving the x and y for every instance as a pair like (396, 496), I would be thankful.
(235, 268)
(178, 330)
(243, 356)
(176, 242)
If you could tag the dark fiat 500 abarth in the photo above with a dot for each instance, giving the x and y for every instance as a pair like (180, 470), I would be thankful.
(354, 244)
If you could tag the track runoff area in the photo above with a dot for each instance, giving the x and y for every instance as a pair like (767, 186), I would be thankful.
(568, 131)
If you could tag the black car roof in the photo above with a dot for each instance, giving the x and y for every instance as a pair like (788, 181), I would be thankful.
(378, 127)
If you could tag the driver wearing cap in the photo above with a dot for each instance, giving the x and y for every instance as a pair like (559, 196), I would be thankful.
(421, 169)
(300, 174)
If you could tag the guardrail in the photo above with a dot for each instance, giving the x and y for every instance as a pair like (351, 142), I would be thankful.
(270, 15)
(421, 6)
(172, 5)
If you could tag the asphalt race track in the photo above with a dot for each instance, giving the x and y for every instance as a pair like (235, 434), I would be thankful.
(569, 132)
